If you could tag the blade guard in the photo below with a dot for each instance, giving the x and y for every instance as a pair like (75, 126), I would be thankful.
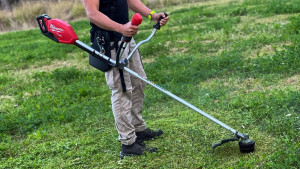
(56, 29)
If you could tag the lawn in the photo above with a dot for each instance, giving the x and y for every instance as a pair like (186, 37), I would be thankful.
(239, 61)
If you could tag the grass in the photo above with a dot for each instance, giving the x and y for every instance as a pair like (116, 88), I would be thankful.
(237, 60)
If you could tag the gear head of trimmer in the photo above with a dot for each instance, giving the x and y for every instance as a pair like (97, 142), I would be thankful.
(246, 145)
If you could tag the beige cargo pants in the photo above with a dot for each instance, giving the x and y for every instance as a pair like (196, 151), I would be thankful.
(127, 106)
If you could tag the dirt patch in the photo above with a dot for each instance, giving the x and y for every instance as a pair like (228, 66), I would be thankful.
(54, 65)
(282, 18)
(294, 80)
(7, 97)
(207, 41)
(265, 50)
(178, 50)
(167, 44)
(150, 60)
(250, 85)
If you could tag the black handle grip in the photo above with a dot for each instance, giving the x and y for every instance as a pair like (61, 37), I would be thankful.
(126, 39)
(157, 25)
(42, 23)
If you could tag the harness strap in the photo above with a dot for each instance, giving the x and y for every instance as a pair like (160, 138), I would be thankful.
(122, 80)
(117, 63)
(115, 40)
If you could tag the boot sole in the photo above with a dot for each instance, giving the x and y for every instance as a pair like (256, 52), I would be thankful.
(153, 150)
(122, 156)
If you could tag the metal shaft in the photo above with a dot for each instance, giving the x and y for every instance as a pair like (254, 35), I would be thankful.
(141, 42)
(180, 100)
(94, 52)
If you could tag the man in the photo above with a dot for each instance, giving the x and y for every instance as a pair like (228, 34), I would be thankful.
(127, 97)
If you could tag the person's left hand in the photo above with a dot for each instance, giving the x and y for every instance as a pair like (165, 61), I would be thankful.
(156, 16)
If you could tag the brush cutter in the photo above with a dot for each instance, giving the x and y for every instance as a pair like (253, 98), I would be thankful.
(62, 32)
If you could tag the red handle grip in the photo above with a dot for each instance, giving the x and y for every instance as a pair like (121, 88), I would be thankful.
(136, 19)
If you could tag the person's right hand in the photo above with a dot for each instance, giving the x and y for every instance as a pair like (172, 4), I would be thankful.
(156, 16)
(129, 30)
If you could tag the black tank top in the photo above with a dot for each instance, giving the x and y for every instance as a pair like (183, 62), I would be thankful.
(116, 10)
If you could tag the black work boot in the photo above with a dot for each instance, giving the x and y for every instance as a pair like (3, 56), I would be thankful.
(148, 134)
(137, 148)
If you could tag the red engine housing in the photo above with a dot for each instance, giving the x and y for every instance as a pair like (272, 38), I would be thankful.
(62, 31)
(56, 29)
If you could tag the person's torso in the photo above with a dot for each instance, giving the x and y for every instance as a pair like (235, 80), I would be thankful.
(116, 10)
